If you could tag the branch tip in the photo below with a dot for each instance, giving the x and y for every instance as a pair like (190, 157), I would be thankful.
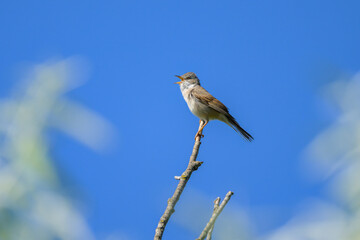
(217, 210)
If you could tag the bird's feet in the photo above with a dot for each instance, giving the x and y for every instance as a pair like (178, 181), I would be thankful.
(199, 134)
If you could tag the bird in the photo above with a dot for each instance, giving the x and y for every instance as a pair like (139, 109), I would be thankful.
(206, 107)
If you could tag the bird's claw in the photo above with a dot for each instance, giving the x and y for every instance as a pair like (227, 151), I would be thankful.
(199, 135)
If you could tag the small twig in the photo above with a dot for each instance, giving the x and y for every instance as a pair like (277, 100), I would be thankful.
(170, 209)
(214, 216)
(216, 206)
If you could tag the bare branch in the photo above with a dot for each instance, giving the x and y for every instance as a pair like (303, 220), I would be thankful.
(183, 179)
(214, 216)
(216, 206)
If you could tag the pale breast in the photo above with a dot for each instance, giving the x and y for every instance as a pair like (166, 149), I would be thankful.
(198, 108)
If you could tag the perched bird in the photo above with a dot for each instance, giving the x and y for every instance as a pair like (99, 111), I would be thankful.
(206, 107)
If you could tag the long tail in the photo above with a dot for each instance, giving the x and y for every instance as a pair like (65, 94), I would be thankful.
(235, 125)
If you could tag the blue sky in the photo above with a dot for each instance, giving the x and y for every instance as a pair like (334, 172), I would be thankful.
(266, 60)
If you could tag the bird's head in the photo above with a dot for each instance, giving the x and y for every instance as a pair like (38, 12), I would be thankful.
(188, 79)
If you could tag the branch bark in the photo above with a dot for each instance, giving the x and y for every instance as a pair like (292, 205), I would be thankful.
(183, 179)
(214, 216)
(216, 206)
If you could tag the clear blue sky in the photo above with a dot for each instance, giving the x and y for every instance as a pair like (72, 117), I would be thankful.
(264, 59)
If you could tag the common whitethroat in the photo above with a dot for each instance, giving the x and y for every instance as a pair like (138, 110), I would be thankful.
(206, 107)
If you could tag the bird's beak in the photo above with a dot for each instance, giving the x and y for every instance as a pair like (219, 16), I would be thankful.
(182, 79)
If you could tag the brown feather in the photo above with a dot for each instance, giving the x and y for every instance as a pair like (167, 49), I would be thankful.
(206, 98)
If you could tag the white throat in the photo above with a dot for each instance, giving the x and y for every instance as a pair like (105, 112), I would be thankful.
(187, 86)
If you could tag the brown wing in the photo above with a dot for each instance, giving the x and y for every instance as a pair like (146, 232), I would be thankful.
(206, 98)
